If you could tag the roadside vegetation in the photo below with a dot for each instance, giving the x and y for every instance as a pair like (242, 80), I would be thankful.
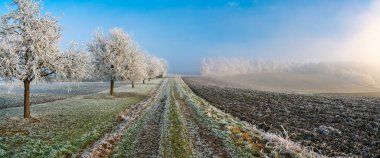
(29, 52)
(175, 138)
(64, 119)
(65, 127)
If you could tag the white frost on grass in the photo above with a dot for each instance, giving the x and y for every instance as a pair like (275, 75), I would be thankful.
(128, 117)
(84, 119)
(47, 92)
(141, 88)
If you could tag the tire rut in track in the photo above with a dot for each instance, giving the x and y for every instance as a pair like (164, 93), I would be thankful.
(104, 147)
(204, 141)
(166, 126)
(148, 139)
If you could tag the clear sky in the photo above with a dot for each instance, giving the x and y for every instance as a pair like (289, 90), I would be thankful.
(186, 31)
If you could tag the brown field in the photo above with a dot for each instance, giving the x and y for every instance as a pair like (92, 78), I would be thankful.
(330, 125)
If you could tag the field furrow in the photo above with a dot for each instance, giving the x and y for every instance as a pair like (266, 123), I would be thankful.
(330, 125)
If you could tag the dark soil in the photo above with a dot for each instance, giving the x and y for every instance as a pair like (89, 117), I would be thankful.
(332, 125)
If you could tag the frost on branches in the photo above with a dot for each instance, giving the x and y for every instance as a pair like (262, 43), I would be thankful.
(155, 67)
(136, 69)
(76, 64)
(110, 54)
(145, 66)
(29, 51)
(29, 47)
(163, 68)
(116, 57)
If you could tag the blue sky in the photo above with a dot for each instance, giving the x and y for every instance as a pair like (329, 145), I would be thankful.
(184, 32)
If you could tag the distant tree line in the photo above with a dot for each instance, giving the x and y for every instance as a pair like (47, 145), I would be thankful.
(353, 72)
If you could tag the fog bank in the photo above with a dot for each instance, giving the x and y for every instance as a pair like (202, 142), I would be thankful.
(361, 73)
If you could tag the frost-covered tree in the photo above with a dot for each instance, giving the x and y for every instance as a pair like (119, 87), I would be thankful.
(153, 67)
(136, 69)
(156, 67)
(111, 54)
(29, 47)
(163, 68)
(76, 63)
(145, 65)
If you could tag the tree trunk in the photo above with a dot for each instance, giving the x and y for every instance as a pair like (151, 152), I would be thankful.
(112, 87)
(143, 81)
(133, 84)
(27, 98)
(149, 80)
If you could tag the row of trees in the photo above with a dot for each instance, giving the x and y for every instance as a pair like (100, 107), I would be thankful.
(29, 51)
(116, 57)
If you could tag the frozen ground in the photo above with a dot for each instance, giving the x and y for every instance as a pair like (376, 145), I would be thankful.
(168, 121)
(177, 123)
(332, 125)
(64, 128)
(48, 92)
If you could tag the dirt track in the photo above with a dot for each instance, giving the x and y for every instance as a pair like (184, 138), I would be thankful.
(149, 136)
(333, 126)
(177, 123)
(164, 127)
(204, 142)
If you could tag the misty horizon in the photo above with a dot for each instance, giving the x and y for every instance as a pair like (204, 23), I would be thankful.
(190, 78)
(186, 32)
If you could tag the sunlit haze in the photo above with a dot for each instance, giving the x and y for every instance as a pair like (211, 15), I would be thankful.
(185, 32)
